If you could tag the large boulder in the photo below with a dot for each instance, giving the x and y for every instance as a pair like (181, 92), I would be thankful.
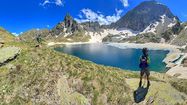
(8, 53)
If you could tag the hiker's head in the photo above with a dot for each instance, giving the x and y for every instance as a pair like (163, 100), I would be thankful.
(145, 51)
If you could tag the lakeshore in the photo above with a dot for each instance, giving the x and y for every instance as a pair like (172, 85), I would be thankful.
(173, 59)
(174, 68)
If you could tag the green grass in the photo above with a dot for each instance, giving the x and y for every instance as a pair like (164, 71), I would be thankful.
(180, 85)
(5, 36)
(36, 71)
(35, 67)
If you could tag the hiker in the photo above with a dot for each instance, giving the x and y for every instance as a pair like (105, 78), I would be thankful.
(39, 41)
(144, 66)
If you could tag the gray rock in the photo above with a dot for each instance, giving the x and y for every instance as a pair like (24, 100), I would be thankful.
(8, 53)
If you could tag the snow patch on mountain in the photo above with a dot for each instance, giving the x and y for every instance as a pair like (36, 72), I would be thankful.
(161, 25)
(163, 17)
(151, 28)
(159, 3)
(172, 23)
(119, 33)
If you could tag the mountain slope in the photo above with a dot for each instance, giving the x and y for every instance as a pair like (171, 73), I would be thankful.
(181, 37)
(145, 14)
(66, 31)
(5, 36)
(32, 34)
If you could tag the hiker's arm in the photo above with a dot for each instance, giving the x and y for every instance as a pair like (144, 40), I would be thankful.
(148, 60)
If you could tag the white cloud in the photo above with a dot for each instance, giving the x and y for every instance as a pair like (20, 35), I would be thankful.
(17, 34)
(59, 2)
(48, 26)
(45, 2)
(56, 2)
(89, 15)
(125, 3)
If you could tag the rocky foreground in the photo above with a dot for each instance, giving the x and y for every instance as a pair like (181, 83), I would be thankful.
(42, 76)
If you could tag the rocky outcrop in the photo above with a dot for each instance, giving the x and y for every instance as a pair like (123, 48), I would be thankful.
(92, 26)
(143, 38)
(68, 96)
(8, 53)
(184, 62)
(67, 27)
(180, 38)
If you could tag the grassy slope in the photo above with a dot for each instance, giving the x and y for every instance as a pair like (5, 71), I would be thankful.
(76, 37)
(42, 76)
(36, 68)
(46, 35)
(5, 35)
(32, 34)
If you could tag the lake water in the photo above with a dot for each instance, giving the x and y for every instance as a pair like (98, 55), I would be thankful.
(127, 59)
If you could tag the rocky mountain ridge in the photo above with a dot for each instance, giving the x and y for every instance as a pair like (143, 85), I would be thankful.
(150, 20)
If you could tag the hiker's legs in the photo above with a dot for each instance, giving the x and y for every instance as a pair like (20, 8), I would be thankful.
(141, 76)
(147, 75)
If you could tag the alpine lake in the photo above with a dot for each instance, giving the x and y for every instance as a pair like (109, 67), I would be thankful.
(127, 59)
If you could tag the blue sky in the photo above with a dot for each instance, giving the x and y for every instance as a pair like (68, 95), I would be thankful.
(21, 15)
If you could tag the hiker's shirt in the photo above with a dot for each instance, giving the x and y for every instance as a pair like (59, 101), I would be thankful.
(144, 62)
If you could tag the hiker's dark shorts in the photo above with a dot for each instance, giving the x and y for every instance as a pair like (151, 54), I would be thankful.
(145, 71)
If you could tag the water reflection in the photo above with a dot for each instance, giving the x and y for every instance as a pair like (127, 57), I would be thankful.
(112, 56)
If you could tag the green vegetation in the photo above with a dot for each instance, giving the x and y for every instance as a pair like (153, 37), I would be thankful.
(42, 76)
(78, 36)
(35, 71)
(180, 85)
(5, 36)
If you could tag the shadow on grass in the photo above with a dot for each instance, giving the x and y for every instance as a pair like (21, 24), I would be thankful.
(140, 94)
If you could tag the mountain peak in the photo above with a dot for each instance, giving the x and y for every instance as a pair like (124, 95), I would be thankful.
(151, 2)
(143, 15)
(69, 25)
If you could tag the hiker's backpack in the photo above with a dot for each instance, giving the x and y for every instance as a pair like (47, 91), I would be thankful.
(143, 62)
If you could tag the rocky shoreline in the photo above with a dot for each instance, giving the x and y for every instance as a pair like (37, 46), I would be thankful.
(173, 59)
